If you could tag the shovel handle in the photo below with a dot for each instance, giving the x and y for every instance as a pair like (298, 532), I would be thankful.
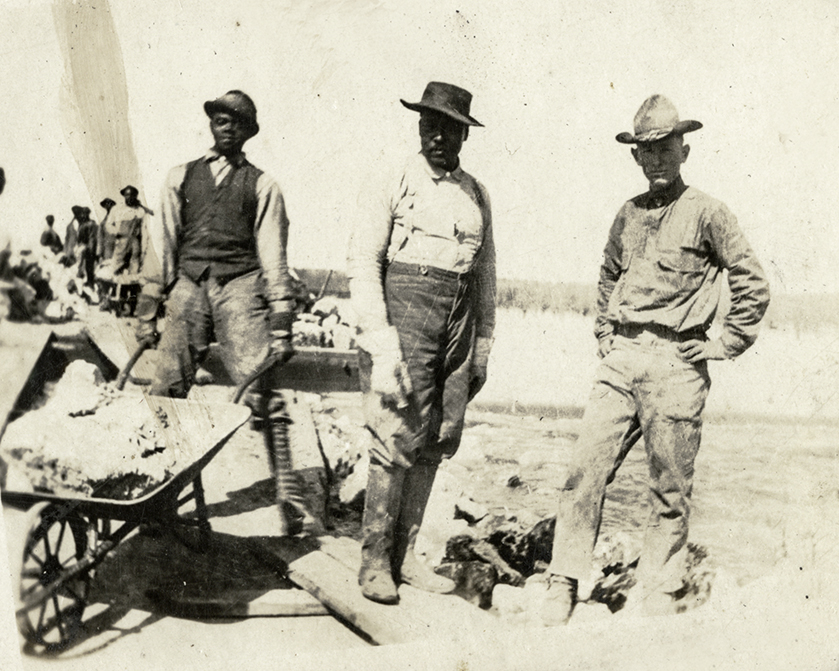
(122, 378)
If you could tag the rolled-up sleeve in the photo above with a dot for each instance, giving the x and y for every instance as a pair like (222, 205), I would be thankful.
(271, 230)
(746, 279)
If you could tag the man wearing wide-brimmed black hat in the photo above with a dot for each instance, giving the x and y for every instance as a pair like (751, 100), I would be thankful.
(422, 279)
(220, 261)
(659, 289)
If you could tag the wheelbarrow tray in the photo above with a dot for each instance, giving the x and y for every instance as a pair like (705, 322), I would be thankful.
(182, 423)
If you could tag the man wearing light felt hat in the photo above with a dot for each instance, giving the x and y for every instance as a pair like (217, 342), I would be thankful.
(659, 290)
(422, 279)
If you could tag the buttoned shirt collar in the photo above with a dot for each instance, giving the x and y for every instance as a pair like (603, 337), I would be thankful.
(662, 197)
(238, 160)
(438, 174)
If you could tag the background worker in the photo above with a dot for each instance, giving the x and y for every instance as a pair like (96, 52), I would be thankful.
(87, 239)
(50, 237)
(71, 236)
(659, 289)
(422, 280)
(127, 218)
(108, 230)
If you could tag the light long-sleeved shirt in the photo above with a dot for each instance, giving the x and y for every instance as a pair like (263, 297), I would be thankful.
(270, 230)
(663, 265)
(427, 216)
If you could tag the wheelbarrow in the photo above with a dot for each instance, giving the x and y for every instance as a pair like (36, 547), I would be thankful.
(69, 536)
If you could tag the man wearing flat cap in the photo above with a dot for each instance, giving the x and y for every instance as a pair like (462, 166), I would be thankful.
(220, 249)
(422, 279)
(127, 221)
(659, 289)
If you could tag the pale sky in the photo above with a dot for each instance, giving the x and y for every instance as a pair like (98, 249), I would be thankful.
(553, 82)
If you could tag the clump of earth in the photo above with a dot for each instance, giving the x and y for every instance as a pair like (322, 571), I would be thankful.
(83, 436)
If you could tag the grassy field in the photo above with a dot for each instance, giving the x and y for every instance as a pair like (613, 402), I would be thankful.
(799, 312)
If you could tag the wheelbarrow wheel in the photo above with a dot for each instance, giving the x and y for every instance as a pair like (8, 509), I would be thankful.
(58, 539)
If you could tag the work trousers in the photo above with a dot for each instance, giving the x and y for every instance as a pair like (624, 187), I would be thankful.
(432, 312)
(87, 265)
(127, 254)
(641, 379)
(235, 311)
(108, 245)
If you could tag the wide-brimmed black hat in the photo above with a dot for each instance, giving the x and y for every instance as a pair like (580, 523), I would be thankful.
(237, 103)
(78, 210)
(124, 190)
(447, 99)
(107, 203)
(656, 119)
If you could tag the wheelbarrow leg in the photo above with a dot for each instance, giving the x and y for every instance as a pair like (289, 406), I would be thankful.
(201, 510)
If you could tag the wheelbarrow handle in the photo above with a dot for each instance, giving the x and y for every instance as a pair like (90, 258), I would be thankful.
(122, 378)
(270, 361)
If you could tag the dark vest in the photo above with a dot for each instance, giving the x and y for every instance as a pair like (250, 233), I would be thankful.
(217, 237)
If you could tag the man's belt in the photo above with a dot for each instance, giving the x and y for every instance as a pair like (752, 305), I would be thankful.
(429, 271)
(663, 332)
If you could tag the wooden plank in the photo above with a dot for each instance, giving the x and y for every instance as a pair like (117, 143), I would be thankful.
(303, 435)
(243, 603)
(311, 369)
(336, 586)
(331, 575)
(439, 612)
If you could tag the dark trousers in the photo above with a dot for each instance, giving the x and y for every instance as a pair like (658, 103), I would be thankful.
(431, 310)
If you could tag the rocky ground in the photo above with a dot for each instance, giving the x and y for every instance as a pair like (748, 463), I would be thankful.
(489, 522)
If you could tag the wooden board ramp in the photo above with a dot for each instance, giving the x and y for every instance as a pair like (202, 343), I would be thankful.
(330, 574)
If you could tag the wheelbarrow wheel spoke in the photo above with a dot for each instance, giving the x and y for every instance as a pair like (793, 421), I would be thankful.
(52, 620)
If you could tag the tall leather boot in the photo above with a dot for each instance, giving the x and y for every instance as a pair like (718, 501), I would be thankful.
(419, 480)
(381, 509)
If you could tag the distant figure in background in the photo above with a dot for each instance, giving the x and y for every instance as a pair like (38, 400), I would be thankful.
(88, 237)
(107, 231)
(128, 220)
(50, 238)
(71, 235)
(422, 279)
(659, 289)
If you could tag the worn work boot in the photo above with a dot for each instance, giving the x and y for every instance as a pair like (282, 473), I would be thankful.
(646, 602)
(381, 508)
(406, 567)
(559, 601)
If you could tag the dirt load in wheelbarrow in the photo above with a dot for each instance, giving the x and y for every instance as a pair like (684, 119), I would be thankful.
(78, 514)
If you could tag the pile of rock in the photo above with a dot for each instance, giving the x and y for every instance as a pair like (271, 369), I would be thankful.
(36, 286)
(85, 437)
(327, 323)
(497, 558)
